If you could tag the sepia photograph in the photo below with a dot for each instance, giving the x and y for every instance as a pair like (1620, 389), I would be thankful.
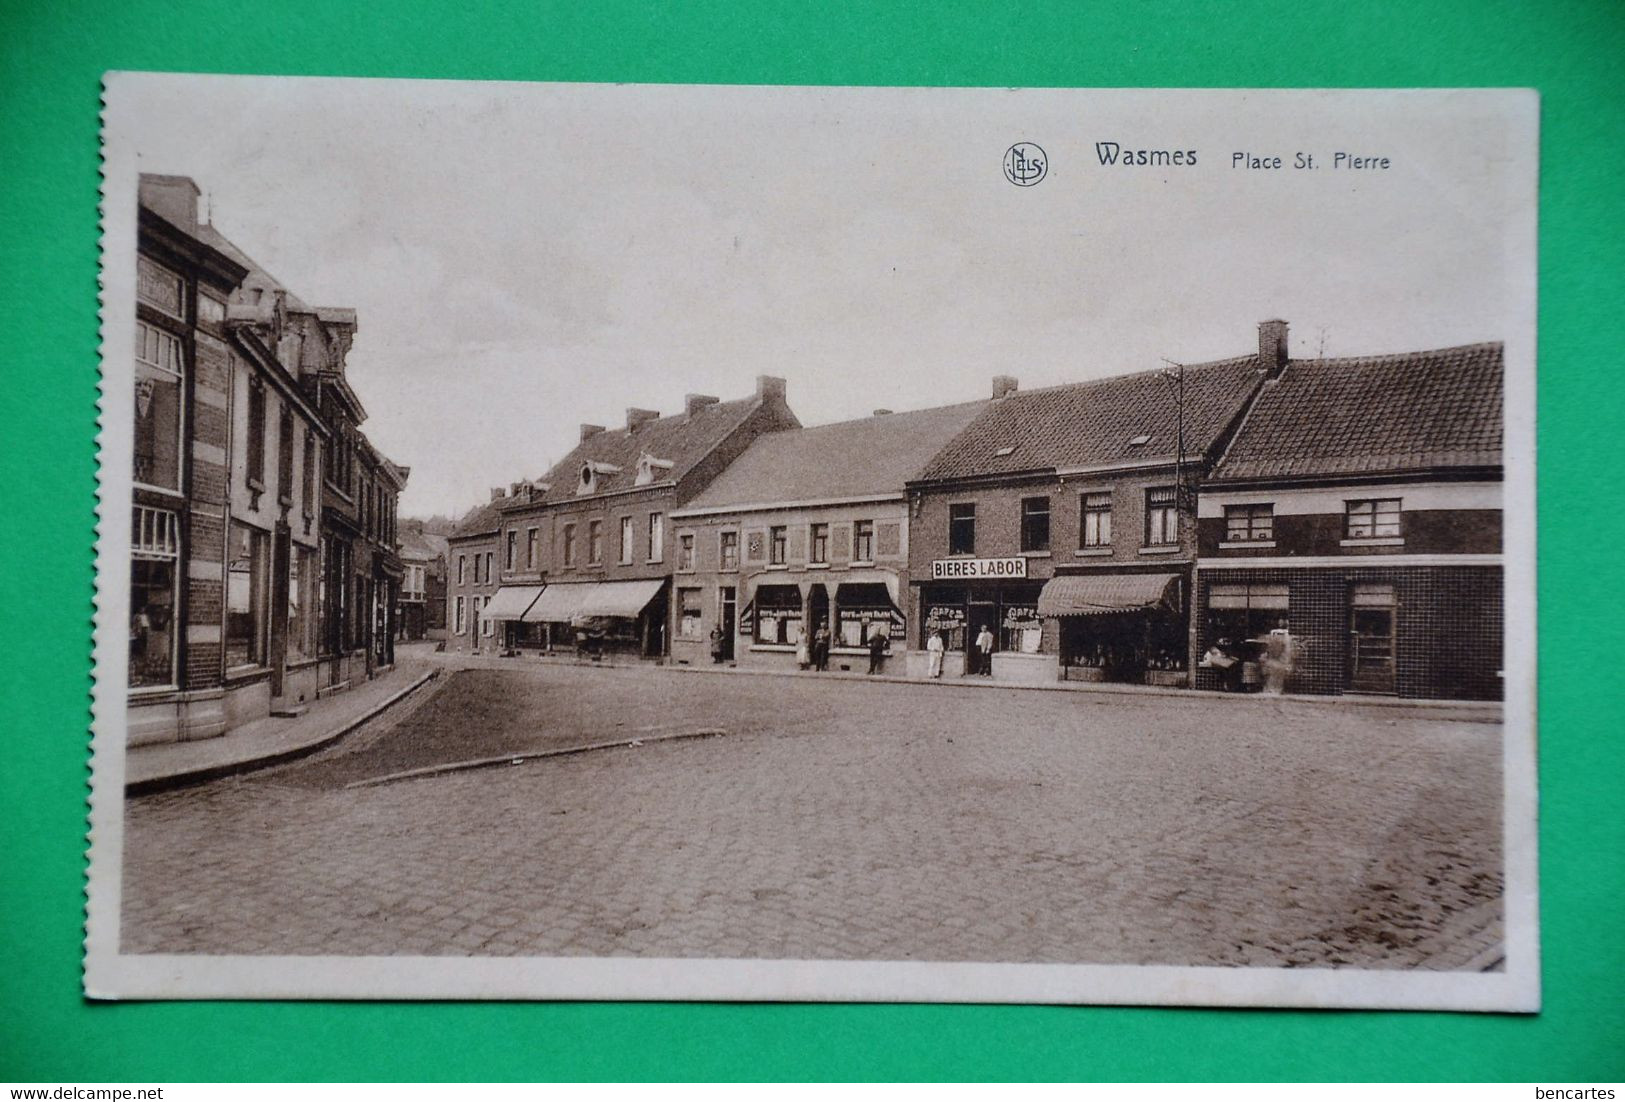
(774, 543)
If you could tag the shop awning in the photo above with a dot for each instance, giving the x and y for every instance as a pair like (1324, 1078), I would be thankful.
(1089, 595)
(558, 602)
(624, 599)
(511, 602)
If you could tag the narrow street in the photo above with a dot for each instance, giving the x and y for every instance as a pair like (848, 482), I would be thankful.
(843, 820)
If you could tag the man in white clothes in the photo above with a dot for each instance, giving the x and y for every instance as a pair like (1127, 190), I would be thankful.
(984, 651)
(933, 653)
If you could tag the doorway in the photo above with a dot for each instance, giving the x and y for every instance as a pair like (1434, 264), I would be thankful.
(727, 618)
(1371, 639)
(280, 555)
(980, 614)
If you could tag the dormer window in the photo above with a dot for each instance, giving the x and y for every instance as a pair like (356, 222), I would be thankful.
(591, 471)
(651, 469)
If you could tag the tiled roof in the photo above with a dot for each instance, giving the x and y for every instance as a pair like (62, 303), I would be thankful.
(478, 521)
(872, 455)
(1407, 412)
(257, 277)
(421, 546)
(679, 439)
(1095, 423)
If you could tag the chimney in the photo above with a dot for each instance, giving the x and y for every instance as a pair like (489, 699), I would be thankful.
(882, 413)
(498, 493)
(636, 417)
(1272, 347)
(172, 197)
(693, 403)
(589, 431)
(769, 386)
(1003, 386)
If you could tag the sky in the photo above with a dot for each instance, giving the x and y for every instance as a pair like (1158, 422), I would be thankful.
(524, 258)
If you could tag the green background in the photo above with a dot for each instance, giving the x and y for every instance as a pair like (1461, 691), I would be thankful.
(52, 56)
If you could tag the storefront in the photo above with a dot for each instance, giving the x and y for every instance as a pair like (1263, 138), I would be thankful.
(1127, 628)
(594, 618)
(779, 615)
(995, 594)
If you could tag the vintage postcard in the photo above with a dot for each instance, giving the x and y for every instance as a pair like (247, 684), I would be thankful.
(984, 545)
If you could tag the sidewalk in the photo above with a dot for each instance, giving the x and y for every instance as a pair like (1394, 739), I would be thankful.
(271, 740)
(1467, 711)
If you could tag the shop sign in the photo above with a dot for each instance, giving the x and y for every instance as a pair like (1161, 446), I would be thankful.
(944, 617)
(1021, 617)
(1013, 567)
(158, 287)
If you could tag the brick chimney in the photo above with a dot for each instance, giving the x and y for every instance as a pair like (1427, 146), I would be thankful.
(770, 386)
(1272, 347)
(589, 431)
(1003, 386)
(498, 493)
(693, 403)
(173, 197)
(636, 417)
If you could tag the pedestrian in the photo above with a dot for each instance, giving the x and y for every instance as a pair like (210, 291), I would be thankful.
(716, 645)
(984, 651)
(934, 647)
(803, 653)
(877, 649)
(820, 648)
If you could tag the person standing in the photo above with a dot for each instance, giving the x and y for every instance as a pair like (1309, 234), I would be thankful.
(877, 649)
(984, 651)
(716, 645)
(934, 647)
(820, 648)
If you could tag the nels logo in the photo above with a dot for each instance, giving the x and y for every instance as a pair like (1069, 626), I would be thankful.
(1025, 164)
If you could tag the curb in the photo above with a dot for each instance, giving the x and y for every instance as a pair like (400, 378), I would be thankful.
(191, 777)
(516, 759)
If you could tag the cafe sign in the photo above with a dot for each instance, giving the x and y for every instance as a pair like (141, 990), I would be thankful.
(943, 569)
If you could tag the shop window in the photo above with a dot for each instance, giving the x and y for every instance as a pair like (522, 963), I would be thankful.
(1246, 523)
(1237, 613)
(246, 592)
(1161, 517)
(819, 544)
(778, 614)
(863, 609)
(160, 370)
(657, 537)
(778, 542)
(255, 441)
(685, 551)
(1034, 524)
(962, 528)
(690, 623)
(944, 611)
(510, 550)
(1096, 525)
(532, 545)
(1373, 519)
(863, 541)
(595, 542)
(627, 539)
(1020, 630)
(154, 569)
(301, 605)
(728, 550)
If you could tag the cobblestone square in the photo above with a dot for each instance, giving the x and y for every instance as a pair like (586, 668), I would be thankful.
(839, 819)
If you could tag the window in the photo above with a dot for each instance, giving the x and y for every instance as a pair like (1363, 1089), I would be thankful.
(863, 541)
(246, 593)
(210, 310)
(1240, 612)
(657, 537)
(685, 551)
(160, 367)
(1373, 519)
(778, 614)
(728, 550)
(820, 543)
(489, 557)
(1035, 524)
(627, 539)
(962, 528)
(863, 610)
(778, 544)
(462, 569)
(301, 604)
(284, 457)
(460, 619)
(1096, 524)
(308, 506)
(569, 545)
(255, 441)
(689, 622)
(510, 549)
(595, 541)
(1245, 523)
(485, 621)
(1161, 517)
(532, 545)
(154, 555)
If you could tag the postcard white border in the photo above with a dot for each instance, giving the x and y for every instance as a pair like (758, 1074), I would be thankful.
(110, 974)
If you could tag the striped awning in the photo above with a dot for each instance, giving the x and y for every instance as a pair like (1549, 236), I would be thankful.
(1089, 595)
(622, 599)
(511, 602)
(558, 602)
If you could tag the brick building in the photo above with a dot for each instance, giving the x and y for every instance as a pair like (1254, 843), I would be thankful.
(807, 529)
(471, 580)
(422, 611)
(584, 553)
(1359, 508)
(1061, 519)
